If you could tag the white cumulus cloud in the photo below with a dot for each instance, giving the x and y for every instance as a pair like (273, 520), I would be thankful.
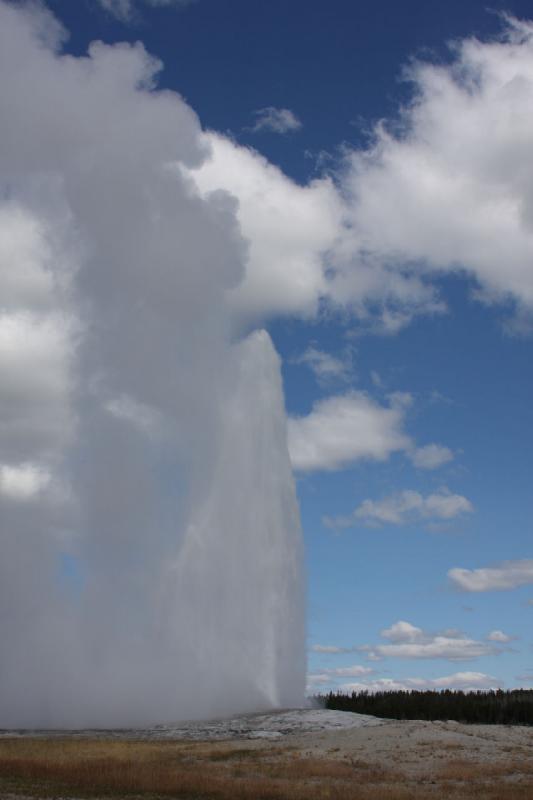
(345, 428)
(403, 631)
(405, 640)
(452, 191)
(405, 507)
(499, 636)
(448, 192)
(507, 575)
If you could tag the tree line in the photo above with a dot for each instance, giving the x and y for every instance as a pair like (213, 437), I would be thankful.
(495, 707)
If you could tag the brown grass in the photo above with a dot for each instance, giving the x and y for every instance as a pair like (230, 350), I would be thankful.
(85, 768)
(180, 770)
(462, 770)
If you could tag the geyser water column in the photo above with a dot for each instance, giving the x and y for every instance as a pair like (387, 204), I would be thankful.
(238, 578)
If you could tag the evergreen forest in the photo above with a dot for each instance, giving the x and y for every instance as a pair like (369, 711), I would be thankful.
(497, 707)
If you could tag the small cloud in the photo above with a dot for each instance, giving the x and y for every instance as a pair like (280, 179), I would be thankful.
(326, 648)
(403, 631)
(349, 672)
(325, 367)
(431, 456)
(331, 676)
(376, 379)
(525, 677)
(438, 397)
(276, 120)
(499, 636)
(121, 9)
(317, 679)
(404, 507)
(391, 321)
(507, 575)
(401, 400)
(127, 10)
(163, 3)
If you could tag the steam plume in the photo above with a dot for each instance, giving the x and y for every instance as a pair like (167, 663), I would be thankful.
(151, 564)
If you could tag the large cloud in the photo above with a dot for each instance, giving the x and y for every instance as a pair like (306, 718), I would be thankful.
(452, 191)
(444, 190)
(302, 250)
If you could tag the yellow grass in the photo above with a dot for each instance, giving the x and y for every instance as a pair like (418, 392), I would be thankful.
(85, 768)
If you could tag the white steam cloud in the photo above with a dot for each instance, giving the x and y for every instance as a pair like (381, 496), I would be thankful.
(151, 553)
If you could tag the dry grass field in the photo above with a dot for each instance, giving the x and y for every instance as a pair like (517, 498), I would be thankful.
(395, 761)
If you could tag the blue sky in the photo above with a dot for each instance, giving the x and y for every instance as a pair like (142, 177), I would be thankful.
(408, 377)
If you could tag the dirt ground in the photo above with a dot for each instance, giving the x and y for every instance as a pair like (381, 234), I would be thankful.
(421, 747)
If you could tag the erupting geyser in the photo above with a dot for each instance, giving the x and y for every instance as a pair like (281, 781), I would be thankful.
(151, 563)
(243, 543)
